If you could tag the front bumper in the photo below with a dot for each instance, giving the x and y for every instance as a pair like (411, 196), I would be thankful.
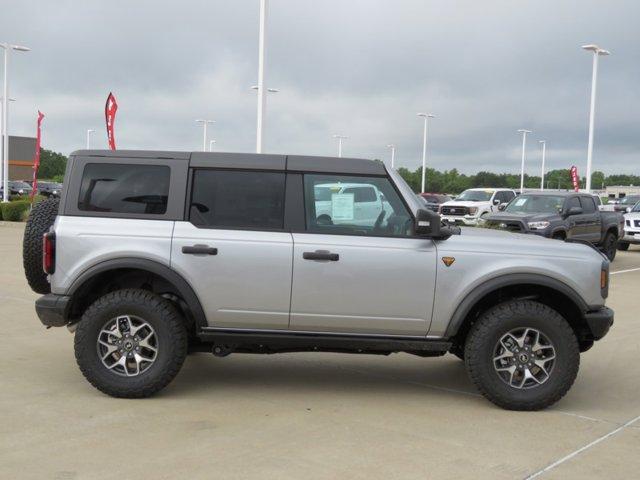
(631, 237)
(461, 220)
(53, 310)
(599, 322)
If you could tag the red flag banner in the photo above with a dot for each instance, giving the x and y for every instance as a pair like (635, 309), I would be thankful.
(574, 178)
(36, 158)
(110, 109)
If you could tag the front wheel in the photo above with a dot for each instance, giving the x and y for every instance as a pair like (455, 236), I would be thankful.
(130, 343)
(522, 355)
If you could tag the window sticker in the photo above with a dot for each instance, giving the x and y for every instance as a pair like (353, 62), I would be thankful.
(342, 206)
(519, 202)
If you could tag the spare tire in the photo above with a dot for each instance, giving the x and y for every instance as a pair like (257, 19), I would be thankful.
(40, 219)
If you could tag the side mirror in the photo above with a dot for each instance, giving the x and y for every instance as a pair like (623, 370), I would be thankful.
(502, 206)
(574, 211)
(496, 201)
(429, 224)
(628, 210)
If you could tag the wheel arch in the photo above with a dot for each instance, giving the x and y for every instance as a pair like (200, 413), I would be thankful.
(545, 289)
(134, 273)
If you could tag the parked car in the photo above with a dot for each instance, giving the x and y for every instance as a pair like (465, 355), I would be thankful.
(49, 189)
(562, 216)
(17, 188)
(433, 200)
(149, 255)
(631, 228)
(475, 203)
(626, 203)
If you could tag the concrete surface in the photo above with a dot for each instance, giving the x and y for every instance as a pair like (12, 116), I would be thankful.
(312, 416)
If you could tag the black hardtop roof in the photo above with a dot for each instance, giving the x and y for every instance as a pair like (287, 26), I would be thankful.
(251, 161)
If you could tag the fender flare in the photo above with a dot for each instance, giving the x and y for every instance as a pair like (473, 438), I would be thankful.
(181, 285)
(473, 297)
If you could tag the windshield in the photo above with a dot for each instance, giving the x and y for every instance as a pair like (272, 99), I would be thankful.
(632, 200)
(636, 208)
(475, 195)
(536, 204)
(19, 184)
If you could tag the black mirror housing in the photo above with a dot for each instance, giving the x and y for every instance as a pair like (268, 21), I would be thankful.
(429, 224)
(502, 206)
(496, 201)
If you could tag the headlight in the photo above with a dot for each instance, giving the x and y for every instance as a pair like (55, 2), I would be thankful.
(21, 191)
(55, 192)
(473, 210)
(538, 225)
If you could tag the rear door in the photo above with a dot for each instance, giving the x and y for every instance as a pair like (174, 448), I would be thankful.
(351, 276)
(233, 249)
(592, 220)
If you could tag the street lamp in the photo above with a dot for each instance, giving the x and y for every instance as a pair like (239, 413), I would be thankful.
(89, 132)
(597, 51)
(393, 153)
(1, 110)
(340, 138)
(426, 117)
(524, 142)
(270, 90)
(4, 171)
(204, 124)
(544, 149)
(211, 143)
(262, 98)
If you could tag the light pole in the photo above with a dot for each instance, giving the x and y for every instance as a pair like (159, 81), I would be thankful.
(1, 134)
(204, 139)
(89, 132)
(262, 98)
(597, 51)
(544, 150)
(4, 172)
(261, 113)
(340, 138)
(524, 143)
(211, 143)
(393, 154)
(426, 117)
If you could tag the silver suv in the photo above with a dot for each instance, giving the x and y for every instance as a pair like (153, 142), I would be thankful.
(151, 255)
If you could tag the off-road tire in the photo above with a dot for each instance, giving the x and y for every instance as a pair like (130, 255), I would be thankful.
(609, 246)
(492, 325)
(40, 219)
(624, 246)
(160, 314)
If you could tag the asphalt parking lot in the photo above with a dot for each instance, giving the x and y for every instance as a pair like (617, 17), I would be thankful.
(312, 416)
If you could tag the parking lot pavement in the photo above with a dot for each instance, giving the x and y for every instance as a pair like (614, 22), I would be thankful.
(312, 416)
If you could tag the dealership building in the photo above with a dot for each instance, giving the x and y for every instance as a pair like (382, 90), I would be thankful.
(21, 153)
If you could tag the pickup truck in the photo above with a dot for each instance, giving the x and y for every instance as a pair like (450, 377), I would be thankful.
(631, 228)
(561, 215)
(475, 204)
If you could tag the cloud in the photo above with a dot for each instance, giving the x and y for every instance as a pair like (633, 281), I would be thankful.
(355, 67)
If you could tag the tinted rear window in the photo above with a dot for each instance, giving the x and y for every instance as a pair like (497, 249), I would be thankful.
(237, 199)
(124, 188)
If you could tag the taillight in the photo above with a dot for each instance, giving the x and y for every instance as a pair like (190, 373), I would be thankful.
(49, 252)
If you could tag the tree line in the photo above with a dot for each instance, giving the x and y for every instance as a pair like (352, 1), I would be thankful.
(452, 181)
(53, 164)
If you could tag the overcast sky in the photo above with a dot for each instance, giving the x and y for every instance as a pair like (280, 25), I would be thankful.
(355, 67)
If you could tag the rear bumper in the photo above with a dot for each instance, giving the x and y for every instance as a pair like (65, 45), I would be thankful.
(599, 322)
(53, 310)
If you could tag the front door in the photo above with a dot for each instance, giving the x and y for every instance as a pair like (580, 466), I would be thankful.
(352, 277)
(233, 250)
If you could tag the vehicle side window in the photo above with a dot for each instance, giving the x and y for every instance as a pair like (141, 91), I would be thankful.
(237, 199)
(588, 204)
(354, 205)
(123, 188)
(508, 196)
(573, 202)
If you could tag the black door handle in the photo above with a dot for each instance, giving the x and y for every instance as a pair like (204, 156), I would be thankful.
(200, 250)
(321, 255)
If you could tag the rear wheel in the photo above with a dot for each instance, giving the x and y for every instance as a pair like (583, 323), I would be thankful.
(522, 355)
(624, 246)
(609, 246)
(130, 343)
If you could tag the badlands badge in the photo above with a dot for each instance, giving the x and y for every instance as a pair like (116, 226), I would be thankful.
(448, 261)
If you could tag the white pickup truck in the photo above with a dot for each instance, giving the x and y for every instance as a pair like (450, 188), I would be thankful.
(468, 207)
